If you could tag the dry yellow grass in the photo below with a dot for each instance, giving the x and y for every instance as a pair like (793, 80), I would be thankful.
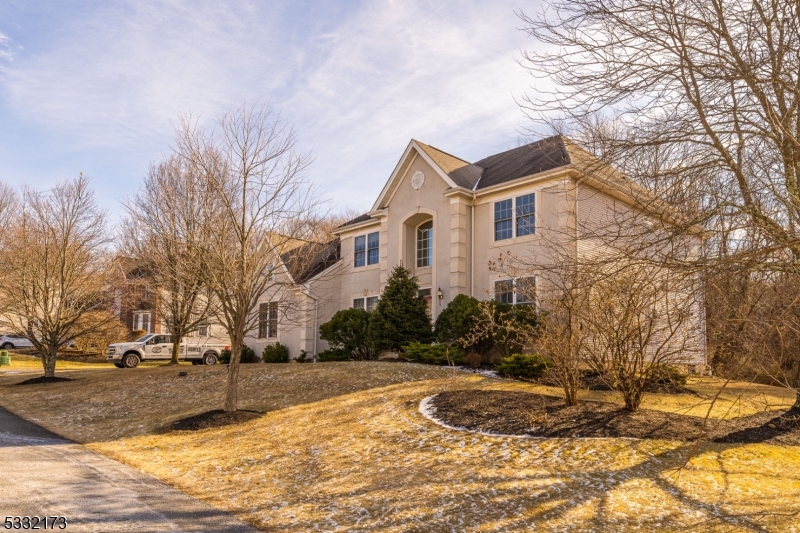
(342, 447)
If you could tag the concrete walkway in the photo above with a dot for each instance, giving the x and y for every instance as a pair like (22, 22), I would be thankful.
(43, 474)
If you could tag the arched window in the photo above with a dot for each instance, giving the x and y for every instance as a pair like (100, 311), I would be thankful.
(425, 244)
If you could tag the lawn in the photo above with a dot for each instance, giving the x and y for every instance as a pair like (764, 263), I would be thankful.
(343, 447)
(24, 362)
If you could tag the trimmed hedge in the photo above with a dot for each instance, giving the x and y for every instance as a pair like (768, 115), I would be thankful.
(333, 354)
(433, 354)
(248, 356)
(522, 366)
(275, 353)
(667, 375)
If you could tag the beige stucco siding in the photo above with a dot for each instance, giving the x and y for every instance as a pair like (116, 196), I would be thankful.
(554, 203)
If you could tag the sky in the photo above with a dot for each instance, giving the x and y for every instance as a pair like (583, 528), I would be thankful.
(96, 86)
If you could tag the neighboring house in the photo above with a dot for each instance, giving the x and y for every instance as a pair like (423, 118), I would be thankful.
(133, 300)
(446, 219)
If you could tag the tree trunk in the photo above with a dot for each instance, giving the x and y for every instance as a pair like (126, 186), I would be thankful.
(796, 406)
(231, 390)
(49, 361)
(176, 350)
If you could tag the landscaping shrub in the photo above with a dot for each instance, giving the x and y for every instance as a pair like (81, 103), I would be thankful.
(522, 366)
(401, 316)
(667, 375)
(348, 330)
(457, 320)
(275, 353)
(248, 356)
(473, 359)
(333, 354)
(433, 354)
(304, 358)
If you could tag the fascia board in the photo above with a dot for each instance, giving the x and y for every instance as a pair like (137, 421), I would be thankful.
(356, 227)
(394, 174)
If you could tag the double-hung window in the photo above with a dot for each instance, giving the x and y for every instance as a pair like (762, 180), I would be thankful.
(367, 249)
(515, 291)
(515, 217)
(141, 321)
(369, 303)
(268, 320)
(503, 225)
(425, 244)
(373, 248)
(526, 223)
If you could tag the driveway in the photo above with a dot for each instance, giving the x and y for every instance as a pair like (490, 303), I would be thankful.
(43, 474)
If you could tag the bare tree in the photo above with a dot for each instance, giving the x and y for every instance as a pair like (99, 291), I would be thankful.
(9, 211)
(636, 322)
(167, 233)
(714, 86)
(262, 199)
(54, 268)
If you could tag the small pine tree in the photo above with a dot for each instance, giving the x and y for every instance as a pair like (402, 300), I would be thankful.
(401, 316)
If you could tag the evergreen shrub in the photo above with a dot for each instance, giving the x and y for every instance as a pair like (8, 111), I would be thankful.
(333, 354)
(433, 354)
(522, 366)
(275, 353)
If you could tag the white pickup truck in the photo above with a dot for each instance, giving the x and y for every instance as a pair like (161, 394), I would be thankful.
(155, 347)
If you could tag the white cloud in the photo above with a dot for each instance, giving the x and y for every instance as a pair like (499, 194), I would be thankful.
(357, 84)
(400, 70)
(5, 48)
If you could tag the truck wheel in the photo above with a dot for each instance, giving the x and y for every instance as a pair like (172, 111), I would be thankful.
(210, 358)
(119, 365)
(131, 360)
(7, 346)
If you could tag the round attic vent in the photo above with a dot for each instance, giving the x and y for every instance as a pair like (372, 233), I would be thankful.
(417, 179)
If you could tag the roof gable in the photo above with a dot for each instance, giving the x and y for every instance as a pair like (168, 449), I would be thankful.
(432, 156)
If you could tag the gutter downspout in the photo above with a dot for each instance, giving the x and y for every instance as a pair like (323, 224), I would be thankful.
(316, 314)
(472, 249)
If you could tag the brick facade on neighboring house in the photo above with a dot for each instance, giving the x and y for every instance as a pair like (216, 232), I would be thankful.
(132, 299)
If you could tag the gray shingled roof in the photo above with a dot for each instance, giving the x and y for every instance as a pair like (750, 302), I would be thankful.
(359, 218)
(533, 158)
(308, 260)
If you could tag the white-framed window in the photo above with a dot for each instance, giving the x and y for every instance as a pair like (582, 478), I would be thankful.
(515, 217)
(372, 303)
(270, 272)
(367, 249)
(425, 244)
(202, 328)
(515, 291)
(268, 320)
(141, 321)
(367, 303)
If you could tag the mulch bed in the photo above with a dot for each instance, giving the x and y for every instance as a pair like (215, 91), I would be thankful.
(522, 413)
(214, 419)
(43, 379)
(593, 381)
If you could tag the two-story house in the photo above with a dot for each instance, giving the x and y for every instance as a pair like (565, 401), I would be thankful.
(446, 219)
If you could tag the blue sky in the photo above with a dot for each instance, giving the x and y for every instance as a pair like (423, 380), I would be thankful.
(95, 86)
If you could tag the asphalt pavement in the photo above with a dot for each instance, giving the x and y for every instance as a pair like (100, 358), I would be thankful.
(44, 474)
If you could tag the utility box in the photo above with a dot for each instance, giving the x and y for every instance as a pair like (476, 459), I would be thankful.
(5, 359)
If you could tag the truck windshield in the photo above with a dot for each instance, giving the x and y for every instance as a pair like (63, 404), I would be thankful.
(142, 339)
